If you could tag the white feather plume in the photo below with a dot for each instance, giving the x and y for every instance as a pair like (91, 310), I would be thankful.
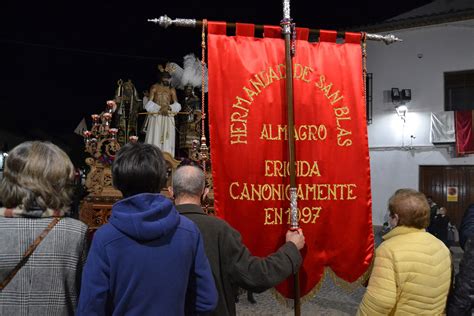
(192, 72)
(176, 73)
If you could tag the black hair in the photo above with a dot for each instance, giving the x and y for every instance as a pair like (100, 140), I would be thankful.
(163, 75)
(139, 168)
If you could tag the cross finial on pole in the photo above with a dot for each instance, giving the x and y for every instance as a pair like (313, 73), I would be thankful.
(286, 17)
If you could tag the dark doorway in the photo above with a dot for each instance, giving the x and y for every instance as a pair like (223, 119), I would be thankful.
(436, 181)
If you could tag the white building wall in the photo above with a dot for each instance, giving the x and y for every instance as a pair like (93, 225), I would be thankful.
(418, 63)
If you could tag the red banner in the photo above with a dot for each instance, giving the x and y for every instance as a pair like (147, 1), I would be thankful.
(464, 134)
(249, 150)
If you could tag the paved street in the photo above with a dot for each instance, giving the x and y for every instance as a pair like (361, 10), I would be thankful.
(330, 300)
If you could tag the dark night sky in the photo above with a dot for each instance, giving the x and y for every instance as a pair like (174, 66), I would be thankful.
(60, 61)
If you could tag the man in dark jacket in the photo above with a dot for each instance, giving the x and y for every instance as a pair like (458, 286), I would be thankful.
(148, 260)
(439, 225)
(231, 262)
(467, 225)
(461, 300)
(433, 211)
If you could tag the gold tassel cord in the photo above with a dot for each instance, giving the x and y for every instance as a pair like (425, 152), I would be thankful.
(364, 63)
(203, 94)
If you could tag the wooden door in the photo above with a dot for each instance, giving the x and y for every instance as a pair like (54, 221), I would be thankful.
(435, 181)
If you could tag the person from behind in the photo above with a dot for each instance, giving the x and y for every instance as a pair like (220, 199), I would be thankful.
(148, 260)
(440, 225)
(232, 263)
(412, 268)
(36, 192)
(379, 235)
(433, 211)
(466, 229)
(461, 300)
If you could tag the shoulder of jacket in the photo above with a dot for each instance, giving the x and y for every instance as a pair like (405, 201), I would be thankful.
(187, 225)
(385, 249)
(222, 226)
(210, 221)
(218, 222)
(107, 234)
(71, 222)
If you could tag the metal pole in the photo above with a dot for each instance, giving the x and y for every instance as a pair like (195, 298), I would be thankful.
(165, 21)
(287, 32)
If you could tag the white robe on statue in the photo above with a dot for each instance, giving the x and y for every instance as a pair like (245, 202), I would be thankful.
(161, 129)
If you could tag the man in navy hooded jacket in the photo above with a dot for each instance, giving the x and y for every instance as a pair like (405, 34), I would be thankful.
(148, 260)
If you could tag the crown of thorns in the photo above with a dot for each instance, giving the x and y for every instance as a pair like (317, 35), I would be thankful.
(169, 68)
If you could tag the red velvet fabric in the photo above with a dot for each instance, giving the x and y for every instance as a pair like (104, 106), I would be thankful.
(271, 31)
(327, 36)
(249, 151)
(302, 33)
(464, 135)
(353, 38)
(244, 29)
(218, 28)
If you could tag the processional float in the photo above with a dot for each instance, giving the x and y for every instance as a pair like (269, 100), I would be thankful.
(249, 128)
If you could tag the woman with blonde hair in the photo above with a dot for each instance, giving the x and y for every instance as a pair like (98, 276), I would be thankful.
(42, 251)
(412, 268)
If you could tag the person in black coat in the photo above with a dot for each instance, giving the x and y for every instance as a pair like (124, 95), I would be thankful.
(433, 211)
(467, 225)
(461, 300)
(439, 225)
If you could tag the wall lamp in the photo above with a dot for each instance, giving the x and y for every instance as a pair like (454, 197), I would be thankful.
(400, 97)
(402, 111)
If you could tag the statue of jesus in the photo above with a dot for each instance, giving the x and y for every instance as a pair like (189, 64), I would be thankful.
(160, 126)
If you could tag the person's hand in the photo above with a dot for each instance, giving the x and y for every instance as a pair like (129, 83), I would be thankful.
(296, 237)
(164, 110)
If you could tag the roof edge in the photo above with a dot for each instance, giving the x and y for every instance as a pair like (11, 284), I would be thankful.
(418, 21)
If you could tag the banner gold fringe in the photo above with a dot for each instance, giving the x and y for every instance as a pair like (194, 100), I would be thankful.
(351, 286)
(287, 302)
(347, 286)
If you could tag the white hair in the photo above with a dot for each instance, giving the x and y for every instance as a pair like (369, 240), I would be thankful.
(188, 180)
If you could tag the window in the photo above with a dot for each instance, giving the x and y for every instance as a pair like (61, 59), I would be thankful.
(459, 90)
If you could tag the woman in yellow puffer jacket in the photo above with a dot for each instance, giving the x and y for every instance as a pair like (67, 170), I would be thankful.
(412, 268)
